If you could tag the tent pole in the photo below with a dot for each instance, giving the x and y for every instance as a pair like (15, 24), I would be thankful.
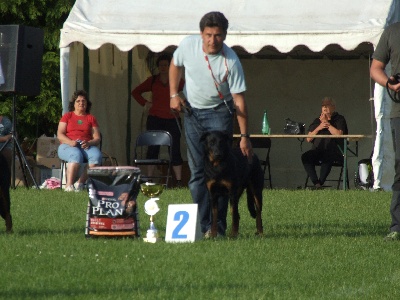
(371, 101)
(129, 106)
(86, 68)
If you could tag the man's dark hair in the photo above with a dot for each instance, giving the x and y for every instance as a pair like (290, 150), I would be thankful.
(214, 19)
(164, 56)
(75, 96)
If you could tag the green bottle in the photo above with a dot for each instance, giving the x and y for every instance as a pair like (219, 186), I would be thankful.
(265, 124)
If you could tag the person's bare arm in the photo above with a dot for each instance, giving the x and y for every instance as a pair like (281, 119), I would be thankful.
(175, 75)
(62, 137)
(95, 141)
(241, 113)
(377, 73)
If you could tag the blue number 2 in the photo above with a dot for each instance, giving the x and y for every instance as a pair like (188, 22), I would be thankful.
(183, 217)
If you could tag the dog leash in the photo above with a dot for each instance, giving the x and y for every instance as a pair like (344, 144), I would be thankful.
(189, 112)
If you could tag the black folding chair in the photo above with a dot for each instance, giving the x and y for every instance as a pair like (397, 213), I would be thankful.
(338, 181)
(263, 143)
(338, 164)
(160, 138)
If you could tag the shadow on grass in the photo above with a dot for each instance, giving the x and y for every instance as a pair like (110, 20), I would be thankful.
(49, 231)
(299, 230)
(78, 293)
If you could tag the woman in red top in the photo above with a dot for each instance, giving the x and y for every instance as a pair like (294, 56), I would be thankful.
(79, 136)
(160, 116)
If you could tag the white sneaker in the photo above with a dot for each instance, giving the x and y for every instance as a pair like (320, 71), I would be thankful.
(69, 188)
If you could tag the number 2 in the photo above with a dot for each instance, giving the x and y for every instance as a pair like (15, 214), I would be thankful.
(183, 217)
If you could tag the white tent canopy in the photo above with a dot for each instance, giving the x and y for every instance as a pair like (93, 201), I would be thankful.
(267, 29)
(253, 25)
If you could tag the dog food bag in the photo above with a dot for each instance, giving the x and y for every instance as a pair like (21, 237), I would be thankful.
(112, 207)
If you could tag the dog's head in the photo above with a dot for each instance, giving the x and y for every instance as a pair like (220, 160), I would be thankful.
(217, 145)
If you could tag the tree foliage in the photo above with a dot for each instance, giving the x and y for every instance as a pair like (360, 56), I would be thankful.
(39, 114)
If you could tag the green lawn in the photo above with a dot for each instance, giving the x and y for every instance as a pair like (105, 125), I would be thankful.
(318, 245)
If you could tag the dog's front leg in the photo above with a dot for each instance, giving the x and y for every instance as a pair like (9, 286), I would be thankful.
(8, 220)
(213, 206)
(214, 216)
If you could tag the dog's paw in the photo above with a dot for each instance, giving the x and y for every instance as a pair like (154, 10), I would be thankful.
(259, 234)
(208, 235)
(233, 234)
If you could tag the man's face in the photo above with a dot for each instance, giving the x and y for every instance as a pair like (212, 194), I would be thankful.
(213, 39)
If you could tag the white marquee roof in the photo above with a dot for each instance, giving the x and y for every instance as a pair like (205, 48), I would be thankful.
(281, 24)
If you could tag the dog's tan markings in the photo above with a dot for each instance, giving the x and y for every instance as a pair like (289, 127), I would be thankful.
(227, 184)
(210, 183)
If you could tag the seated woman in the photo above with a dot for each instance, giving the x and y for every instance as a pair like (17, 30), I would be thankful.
(324, 150)
(79, 136)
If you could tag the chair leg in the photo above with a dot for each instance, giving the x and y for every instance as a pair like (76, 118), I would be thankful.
(340, 178)
(270, 179)
(269, 174)
(63, 164)
(169, 176)
(305, 185)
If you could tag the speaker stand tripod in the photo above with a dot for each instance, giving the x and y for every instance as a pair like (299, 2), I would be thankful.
(24, 164)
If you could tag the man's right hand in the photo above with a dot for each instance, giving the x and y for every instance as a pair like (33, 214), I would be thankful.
(395, 86)
(175, 103)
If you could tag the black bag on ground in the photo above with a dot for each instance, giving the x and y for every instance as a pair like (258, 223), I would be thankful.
(364, 176)
(293, 127)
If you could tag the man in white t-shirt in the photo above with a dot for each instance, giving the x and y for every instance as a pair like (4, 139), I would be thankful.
(214, 89)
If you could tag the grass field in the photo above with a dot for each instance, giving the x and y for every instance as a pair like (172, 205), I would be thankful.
(318, 245)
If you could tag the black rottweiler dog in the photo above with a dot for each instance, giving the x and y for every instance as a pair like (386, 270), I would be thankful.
(227, 173)
(5, 181)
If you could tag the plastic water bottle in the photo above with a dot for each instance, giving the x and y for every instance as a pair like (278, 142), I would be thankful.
(265, 124)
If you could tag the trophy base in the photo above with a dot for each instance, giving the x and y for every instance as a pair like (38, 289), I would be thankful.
(152, 240)
(152, 236)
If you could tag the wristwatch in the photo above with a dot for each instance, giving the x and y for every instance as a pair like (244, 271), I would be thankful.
(246, 135)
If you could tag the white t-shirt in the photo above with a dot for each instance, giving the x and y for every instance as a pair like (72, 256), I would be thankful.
(200, 89)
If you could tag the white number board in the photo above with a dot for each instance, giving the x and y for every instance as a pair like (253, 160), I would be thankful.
(182, 223)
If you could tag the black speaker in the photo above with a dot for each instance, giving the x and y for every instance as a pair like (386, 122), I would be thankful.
(21, 55)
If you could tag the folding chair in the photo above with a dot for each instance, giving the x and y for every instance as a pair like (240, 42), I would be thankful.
(263, 143)
(339, 164)
(154, 138)
(336, 164)
(64, 163)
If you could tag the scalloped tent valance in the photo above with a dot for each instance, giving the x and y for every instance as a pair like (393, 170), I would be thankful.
(282, 24)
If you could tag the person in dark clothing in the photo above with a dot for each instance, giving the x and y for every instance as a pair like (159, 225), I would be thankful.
(388, 52)
(324, 150)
